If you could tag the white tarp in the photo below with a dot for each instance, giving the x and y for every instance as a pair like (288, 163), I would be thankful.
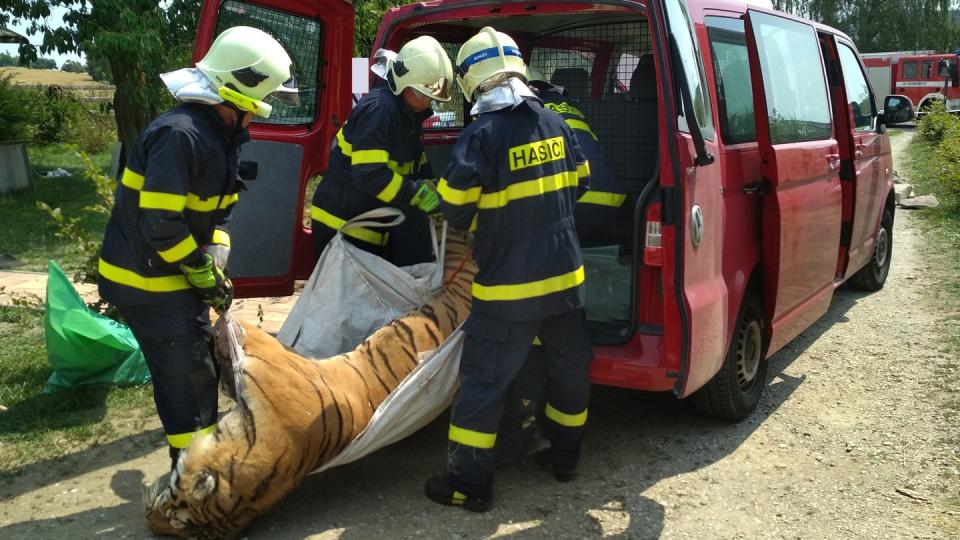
(351, 292)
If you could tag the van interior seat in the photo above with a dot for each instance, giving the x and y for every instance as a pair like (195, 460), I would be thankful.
(626, 125)
(575, 80)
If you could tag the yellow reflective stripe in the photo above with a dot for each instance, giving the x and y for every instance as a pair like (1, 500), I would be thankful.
(472, 438)
(365, 157)
(603, 198)
(228, 200)
(132, 180)
(458, 498)
(536, 341)
(405, 169)
(583, 169)
(150, 284)
(564, 419)
(530, 188)
(335, 223)
(532, 289)
(455, 196)
(345, 147)
(473, 224)
(183, 440)
(154, 200)
(390, 192)
(221, 237)
(582, 126)
(183, 248)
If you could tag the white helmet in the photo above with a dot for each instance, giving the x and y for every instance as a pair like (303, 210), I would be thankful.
(423, 65)
(534, 74)
(246, 66)
(485, 56)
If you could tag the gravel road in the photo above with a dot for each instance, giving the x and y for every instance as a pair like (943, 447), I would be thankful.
(852, 440)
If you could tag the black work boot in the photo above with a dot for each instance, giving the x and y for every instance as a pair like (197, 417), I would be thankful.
(439, 490)
(560, 472)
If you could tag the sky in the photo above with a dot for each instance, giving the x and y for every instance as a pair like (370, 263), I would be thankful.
(56, 19)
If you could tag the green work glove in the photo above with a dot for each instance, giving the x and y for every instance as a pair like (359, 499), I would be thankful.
(210, 283)
(426, 198)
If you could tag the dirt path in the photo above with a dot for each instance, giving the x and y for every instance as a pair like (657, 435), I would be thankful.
(850, 441)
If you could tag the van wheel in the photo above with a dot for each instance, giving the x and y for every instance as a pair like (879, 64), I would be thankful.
(735, 390)
(872, 276)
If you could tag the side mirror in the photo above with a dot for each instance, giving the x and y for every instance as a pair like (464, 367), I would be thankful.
(897, 110)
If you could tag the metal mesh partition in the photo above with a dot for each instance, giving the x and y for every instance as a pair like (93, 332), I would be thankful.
(301, 37)
(608, 70)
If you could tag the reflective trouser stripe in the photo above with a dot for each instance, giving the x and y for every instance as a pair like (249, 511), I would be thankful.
(472, 438)
(221, 237)
(335, 223)
(183, 440)
(458, 498)
(582, 126)
(567, 420)
(129, 278)
(603, 198)
(532, 289)
(536, 341)
(183, 248)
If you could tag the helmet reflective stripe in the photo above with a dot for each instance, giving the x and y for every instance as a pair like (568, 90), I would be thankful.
(485, 54)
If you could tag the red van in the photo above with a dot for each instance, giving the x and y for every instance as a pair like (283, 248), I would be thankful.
(749, 140)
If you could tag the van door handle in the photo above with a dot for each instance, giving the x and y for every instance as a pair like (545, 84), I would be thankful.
(833, 161)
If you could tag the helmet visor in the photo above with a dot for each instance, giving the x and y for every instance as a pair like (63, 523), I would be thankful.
(439, 90)
(288, 93)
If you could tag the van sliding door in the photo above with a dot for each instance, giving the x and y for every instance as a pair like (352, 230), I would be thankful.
(801, 165)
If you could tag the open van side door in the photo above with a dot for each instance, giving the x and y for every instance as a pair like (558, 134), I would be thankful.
(271, 246)
(802, 198)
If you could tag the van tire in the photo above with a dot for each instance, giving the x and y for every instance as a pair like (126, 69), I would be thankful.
(733, 393)
(872, 276)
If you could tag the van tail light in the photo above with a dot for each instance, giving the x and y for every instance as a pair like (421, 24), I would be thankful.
(653, 242)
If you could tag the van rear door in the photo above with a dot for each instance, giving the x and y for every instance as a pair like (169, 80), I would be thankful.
(800, 166)
(271, 247)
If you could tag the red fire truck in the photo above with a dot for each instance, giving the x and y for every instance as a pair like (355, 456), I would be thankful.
(923, 76)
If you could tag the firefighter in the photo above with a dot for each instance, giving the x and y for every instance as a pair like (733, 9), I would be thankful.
(166, 242)
(513, 179)
(603, 206)
(376, 159)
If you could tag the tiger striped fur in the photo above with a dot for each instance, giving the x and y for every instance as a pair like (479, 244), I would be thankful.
(295, 414)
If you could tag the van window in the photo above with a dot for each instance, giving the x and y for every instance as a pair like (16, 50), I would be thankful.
(301, 37)
(731, 67)
(858, 91)
(910, 69)
(927, 70)
(691, 59)
(793, 80)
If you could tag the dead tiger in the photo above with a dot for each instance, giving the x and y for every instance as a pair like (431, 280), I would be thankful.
(296, 413)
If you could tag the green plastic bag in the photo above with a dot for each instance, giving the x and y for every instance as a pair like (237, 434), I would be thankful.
(84, 347)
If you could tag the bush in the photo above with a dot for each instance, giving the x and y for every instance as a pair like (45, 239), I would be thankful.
(15, 113)
(936, 122)
(59, 116)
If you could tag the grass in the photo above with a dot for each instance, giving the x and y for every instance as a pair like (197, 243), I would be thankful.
(45, 426)
(28, 232)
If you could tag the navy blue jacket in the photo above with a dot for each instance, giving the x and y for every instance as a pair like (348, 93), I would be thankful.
(374, 160)
(513, 179)
(175, 196)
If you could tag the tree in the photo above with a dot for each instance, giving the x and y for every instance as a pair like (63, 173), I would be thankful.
(885, 25)
(135, 39)
(72, 66)
(43, 63)
(7, 59)
(367, 22)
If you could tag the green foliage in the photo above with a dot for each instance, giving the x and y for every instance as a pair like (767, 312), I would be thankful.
(135, 39)
(72, 66)
(885, 25)
(42, 63)
(8, 60)
(84, 243)
(14, 113)
(367, 22)
(936, 122)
